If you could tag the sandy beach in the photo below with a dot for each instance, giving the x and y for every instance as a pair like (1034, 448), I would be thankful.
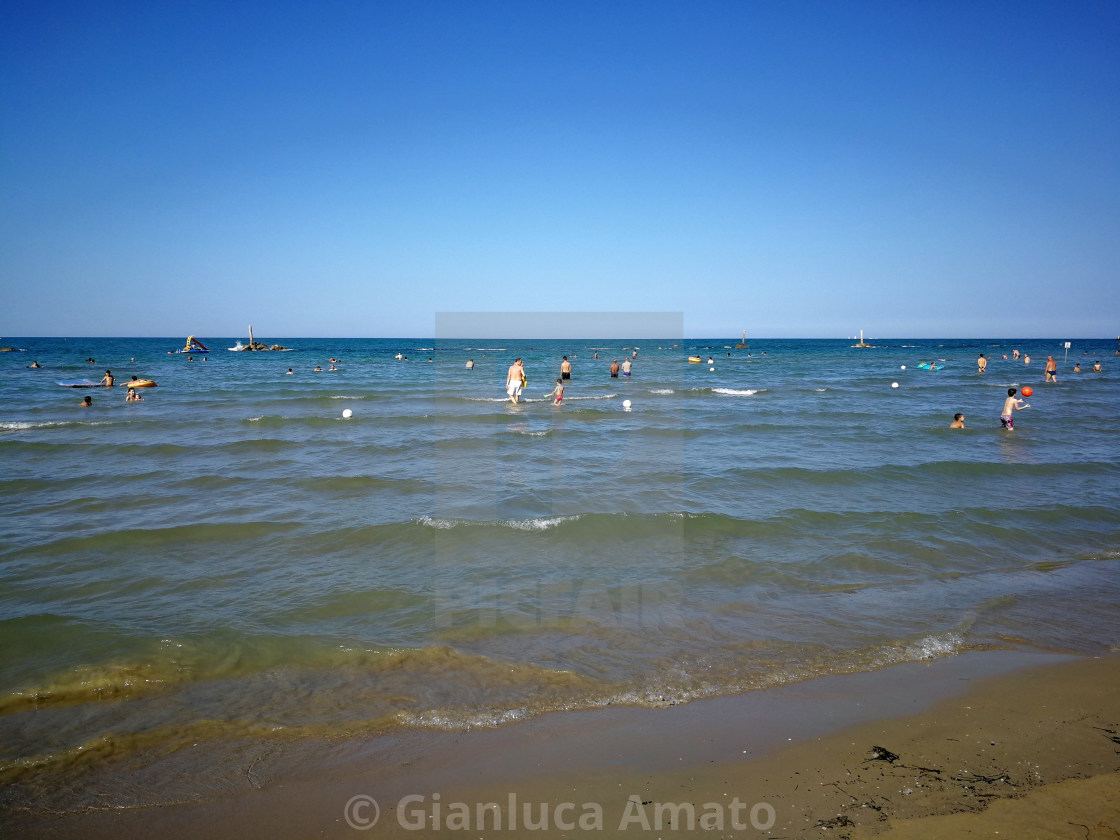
(983, 744)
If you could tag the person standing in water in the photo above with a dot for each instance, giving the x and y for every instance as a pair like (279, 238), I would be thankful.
(565, 369)
(981, 364)
(1011, 404)
(107, 379)
(1051, 369)
(557, 392)
(515, 378)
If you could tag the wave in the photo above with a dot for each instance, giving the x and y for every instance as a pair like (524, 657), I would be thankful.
(738, 392)
(28, 425)
(542, 523)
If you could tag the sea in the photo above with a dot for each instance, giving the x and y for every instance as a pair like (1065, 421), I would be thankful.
(266, 548)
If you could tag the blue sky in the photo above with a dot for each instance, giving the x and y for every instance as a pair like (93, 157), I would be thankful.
(350, 169)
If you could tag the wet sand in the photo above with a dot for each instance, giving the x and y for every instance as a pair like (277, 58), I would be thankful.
(1025, 745)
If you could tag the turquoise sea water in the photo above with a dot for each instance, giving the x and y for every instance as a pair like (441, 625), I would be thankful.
(231, 558)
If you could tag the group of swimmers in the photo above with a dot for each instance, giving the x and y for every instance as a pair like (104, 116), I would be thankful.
(131, 396)
(516, 381)
(1013, 403)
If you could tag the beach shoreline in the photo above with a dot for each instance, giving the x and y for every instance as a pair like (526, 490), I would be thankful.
(1035, 733)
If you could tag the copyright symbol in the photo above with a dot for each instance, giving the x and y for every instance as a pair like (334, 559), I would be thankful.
(362, 812)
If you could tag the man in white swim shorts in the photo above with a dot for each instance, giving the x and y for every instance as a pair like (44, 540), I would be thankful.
(514, 378)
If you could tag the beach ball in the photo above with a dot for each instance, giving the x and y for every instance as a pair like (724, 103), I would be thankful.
(904, 367)
(1027, 391)
(894, 384)
(347, 413)
(626, 404)
(711, 368)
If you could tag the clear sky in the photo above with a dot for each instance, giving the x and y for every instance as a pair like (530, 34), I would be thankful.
(801, 169)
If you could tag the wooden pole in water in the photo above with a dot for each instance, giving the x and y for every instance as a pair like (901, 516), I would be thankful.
(250, 335)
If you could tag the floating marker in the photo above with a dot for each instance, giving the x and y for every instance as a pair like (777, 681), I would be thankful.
(711, 368)
(894, 384)
(904, 367)
(347, 413)
(626, 404)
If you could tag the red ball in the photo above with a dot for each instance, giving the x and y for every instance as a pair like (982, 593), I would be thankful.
(1027, 391)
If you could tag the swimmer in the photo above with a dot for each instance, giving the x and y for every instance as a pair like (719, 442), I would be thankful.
(1010, 405)
(34, 365)
(565, 369)
(614, 369)
(318, 369)
(958, 421)
(981, 364)
(625, 367)
(1077, 368)
(132, 396)
(86, 402)
(1097, 367)
(290, 372)
(470, 364)
(107, 380)
(1051, 370)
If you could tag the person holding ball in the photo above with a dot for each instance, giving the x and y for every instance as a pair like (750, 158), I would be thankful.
(1011, 404)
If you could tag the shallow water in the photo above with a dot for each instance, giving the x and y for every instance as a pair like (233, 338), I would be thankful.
(231, 558)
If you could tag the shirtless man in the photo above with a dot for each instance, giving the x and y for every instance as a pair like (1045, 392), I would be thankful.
(1051, 369)
(1096, 367)
(514, 377)
(981, 364)
(614, 369)
(565, 369)
(107, 379)
(1011, 404)
(958, 421)
(625, 367)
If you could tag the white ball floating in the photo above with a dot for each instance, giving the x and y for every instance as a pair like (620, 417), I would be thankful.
(626, 404)
(894, 384)
(711, 368)
(904, 367)
(347, 413)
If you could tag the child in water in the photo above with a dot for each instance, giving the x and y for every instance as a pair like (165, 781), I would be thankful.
(1012, 403)
(557, 392)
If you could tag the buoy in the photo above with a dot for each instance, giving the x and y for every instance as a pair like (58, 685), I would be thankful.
(711, 369)
(347, 413)
(904, 367)
(626, 404)
(1027, 391)
(894, 384)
